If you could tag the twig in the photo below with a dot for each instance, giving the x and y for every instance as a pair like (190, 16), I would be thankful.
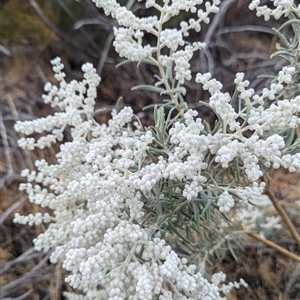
(48, 23)
(11, 209)
(5, 50)
(58, 32)
(284, 217)
(21, 281)
(24, 296)
(9, 173)
(41, 73)
(209, 34)
(26, 256)
(272, 245)
(104, 53)
(243, 28)
(92, 21)
(12, 106)
(58, 275)
(82, 30)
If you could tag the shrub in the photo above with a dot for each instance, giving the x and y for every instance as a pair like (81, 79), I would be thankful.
(137, 212)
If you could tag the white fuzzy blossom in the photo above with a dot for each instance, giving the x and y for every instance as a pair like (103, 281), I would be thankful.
(182, 67)
(264, 145)
(212, 85)
(225, 202)
(282, 8)
(68, 97)
(220, 277)
(128, 48)
(129, 35)
(227, 153)
(172, 38)
(278, 116)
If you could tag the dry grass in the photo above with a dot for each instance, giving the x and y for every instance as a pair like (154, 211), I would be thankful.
(238, 42)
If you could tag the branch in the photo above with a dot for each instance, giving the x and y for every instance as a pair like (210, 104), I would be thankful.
(284, 216)
(272, 245)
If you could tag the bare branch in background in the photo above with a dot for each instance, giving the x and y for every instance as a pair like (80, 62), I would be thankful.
(56, 30)
(9, 173)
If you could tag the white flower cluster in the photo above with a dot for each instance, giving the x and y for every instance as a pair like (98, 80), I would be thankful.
(94, 192)
(128, 37)
(278, 116)
(221, 277)
(77, 99)
(282, 8)
(113, 264)
(263, 146)
(31, 219)
(225, 202)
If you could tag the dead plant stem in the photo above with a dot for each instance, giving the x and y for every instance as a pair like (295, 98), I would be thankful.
(272, 245)
(284, 217)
